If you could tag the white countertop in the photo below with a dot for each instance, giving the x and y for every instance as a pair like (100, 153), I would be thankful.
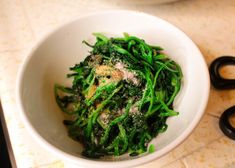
(210, 24)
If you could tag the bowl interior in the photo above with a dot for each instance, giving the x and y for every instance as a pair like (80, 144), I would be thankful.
(48, 64)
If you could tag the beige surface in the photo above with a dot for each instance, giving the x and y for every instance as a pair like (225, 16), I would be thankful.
(210, 23)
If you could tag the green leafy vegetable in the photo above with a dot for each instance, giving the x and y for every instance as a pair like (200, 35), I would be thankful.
(121, 96)
(151, 148)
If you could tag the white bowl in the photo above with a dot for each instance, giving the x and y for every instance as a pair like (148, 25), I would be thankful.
(48, 64)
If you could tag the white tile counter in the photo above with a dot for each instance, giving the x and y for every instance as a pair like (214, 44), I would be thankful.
(210, 24)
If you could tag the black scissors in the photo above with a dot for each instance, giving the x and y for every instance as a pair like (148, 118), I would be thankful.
(222, 83)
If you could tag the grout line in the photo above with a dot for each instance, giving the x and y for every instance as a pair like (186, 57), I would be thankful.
(203, 146)
(213, 115)
(27, 19)
(183, 158)
(180, 160)
(184, 162)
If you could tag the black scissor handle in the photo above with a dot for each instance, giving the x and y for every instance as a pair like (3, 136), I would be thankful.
(225, 125)
(216, 79)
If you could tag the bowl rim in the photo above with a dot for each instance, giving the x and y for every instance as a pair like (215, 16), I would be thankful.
(98, 163)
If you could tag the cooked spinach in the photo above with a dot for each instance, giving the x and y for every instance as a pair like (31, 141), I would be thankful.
(121, 96)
